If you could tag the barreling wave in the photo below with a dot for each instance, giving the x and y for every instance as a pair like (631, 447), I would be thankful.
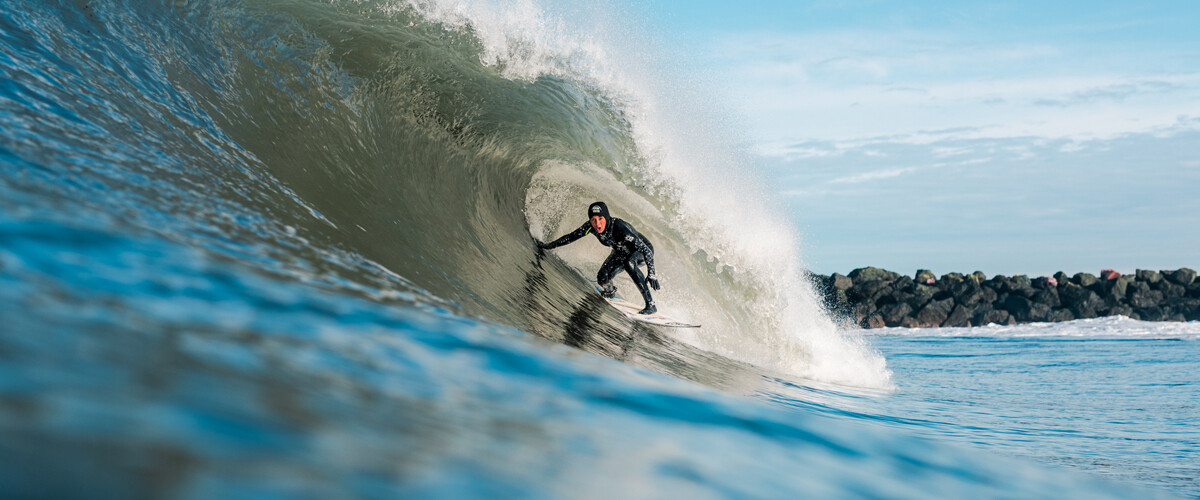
(406, 152)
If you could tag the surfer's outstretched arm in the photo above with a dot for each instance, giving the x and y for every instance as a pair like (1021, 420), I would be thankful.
(567, 238)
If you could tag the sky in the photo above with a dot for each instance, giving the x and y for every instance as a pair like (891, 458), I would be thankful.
(1007, 137)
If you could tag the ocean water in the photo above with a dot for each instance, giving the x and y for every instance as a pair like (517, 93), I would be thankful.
(282, 249)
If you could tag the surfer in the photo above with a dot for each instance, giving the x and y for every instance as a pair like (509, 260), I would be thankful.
(629, 251)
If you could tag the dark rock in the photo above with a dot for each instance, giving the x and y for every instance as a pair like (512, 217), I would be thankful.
(1189, 308)
(1062, 278)
(1182, 276)
(862, 310)
(972, 297)
(874, 321)
(994, 316)
(1149, 298)
(1088, 305)
(935, 312)
(866, 290)
(950, 278)
(1084, 279)
(989, 296)
(893, 314)
(1193, 290)
(911, 322)
(1072, 294)
(1049, 297)
(1025, 310)
(1173, 291)
(839, 282)
(921, 295)
(1059, 315)
(1119, 287)
(1154, 313)
(925, 276)
(886, 296)
(960, 316)
(1044, 282)
(1135, 288)
(1148, 276)
(1121, 310)
(864, 274)
(978, 277)
(1025, 292)
(1022, 281)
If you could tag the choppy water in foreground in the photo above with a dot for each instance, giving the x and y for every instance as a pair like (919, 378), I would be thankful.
(280, 248)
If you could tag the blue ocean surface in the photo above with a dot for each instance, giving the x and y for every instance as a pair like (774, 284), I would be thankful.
(283, 249)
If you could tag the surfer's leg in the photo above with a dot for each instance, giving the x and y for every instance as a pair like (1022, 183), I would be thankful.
(631, 267)
(607, 270)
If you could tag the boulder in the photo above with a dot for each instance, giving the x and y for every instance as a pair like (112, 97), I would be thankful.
(1109, 274)
(925, 277)
(863, 274)
(1072, 294)
(1182, 276)
(1136, 287)
(960, 316)
(1044, 282)
(921, 295)
(1025, 310)
(1088, 305)
(893, 314)
(1148, 276)
(865, 290)
(1059, 315)
(950, 278)
(862, 310)
(1049, 297)
(1119, 287)
(1121, 310)
(935, 312)
(1084, 279)
(839, 282)
(1022, 281)
(874, 321)
(1146, 299)
(1188, 307)
(1173, 291)
(978, 277)
(1154, 313)
(1193, 290)
(1062, 278)
(993, 316)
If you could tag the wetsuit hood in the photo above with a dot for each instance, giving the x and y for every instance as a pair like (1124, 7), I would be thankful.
(599, 208)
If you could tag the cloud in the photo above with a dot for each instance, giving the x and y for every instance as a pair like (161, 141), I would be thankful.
(852, 85)
(1117, 92)
(873, 176)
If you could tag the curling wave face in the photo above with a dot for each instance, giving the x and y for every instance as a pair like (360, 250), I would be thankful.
(404, 151)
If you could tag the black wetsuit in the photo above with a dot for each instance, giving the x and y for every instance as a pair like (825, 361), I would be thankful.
(629, 250)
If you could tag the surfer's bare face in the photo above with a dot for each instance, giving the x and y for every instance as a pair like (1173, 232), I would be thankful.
(598, 223)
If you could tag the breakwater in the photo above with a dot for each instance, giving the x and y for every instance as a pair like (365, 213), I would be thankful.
(877, 298)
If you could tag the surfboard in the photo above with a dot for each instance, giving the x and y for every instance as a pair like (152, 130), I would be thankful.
(631, 311)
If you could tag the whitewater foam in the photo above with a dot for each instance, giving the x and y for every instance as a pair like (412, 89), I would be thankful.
(1111, 327)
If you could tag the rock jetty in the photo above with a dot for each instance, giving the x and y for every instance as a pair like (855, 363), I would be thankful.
(875, 298)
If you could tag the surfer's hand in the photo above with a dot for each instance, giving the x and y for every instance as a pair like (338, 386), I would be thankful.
(653, 281)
